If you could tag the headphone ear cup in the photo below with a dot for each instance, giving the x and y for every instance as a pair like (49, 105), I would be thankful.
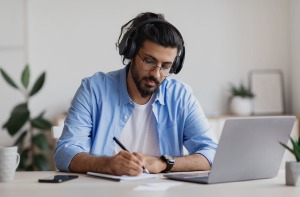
(127, 46)
(123, 44)
(130, 50)
(179, 61)
(175, 65)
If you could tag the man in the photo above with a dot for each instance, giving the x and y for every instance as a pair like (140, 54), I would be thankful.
(152, 115)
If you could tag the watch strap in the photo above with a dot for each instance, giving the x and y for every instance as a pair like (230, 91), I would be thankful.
(169, 161)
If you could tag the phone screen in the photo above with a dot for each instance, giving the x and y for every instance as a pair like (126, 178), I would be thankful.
(57, 178)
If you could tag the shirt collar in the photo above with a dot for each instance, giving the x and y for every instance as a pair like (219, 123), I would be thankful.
(161, 92)
(124, 97)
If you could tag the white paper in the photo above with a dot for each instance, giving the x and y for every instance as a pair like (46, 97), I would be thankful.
(123, 178)
(162, 186)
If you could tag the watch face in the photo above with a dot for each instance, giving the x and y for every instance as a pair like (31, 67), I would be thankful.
(170, 162)
(169, 159)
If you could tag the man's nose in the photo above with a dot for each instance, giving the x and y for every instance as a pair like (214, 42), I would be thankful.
(155, 72)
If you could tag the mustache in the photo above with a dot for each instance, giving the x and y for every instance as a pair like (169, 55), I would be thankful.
(152, 79)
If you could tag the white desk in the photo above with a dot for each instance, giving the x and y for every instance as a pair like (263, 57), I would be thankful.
(26, 185)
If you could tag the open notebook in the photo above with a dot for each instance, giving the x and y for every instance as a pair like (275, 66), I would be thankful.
(122, 178)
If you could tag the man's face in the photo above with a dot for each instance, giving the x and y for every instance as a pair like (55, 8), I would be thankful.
(148, 81)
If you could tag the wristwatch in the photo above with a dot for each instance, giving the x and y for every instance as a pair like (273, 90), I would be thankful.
(170, 162)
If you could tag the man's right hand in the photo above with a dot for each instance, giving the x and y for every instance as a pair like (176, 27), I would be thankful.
(124, 163)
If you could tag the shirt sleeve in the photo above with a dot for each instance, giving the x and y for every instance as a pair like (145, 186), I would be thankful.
(198, 135)
(77, 129)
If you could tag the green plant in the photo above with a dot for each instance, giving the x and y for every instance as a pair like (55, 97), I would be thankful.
(296, 148)
(32, 142)
(241, 91)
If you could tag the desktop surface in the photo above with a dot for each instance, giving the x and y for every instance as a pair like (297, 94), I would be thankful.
(26, 184)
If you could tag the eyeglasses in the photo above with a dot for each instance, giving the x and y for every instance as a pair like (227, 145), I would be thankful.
(149, 64)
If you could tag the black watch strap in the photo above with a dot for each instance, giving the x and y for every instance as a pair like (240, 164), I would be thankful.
(170, 162)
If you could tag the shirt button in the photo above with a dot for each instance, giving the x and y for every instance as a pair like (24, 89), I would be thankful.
(125, 117)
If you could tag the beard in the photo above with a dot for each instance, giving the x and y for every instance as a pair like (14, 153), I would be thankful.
(145, 90)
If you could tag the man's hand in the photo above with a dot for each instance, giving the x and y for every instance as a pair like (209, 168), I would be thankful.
(186, 163)
(153, 164)
(125, 163)
(131, 164)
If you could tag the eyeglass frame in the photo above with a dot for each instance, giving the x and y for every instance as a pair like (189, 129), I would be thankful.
(155, 66)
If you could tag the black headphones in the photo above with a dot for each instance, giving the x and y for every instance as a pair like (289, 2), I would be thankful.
(127, 46)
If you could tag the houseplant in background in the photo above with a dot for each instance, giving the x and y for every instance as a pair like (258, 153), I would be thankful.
(32, 142)
(292, 168)
(241, 100)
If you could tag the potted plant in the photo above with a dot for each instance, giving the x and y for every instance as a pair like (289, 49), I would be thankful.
(32, 142)
(241, 101)
(292, 168)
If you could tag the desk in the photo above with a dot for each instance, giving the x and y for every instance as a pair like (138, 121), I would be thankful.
(26, 185)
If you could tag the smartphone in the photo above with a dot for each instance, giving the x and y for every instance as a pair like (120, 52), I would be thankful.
(57, 178)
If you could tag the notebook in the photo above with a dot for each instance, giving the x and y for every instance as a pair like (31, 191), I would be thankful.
(123, 178)
(248, 149)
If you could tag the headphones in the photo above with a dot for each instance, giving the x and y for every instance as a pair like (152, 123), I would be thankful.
(127, 46)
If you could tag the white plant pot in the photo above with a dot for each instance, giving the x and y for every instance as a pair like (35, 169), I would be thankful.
(241, 106)
(292, 173)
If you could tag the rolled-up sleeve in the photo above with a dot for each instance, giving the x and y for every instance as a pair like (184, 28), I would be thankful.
(77, 129)
(198, 135)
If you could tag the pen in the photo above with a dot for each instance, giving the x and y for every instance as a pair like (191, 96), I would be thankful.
(124, 148)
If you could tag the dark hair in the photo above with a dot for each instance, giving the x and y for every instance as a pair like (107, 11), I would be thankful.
(160, 33)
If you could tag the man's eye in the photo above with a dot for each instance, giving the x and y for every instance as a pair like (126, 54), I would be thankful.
(151, 62)
(166, 67)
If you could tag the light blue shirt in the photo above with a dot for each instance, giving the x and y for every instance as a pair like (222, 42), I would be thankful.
(102, 106)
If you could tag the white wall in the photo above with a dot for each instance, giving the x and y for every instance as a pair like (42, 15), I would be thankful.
(225, 39)
(12, 56)
(295, 55)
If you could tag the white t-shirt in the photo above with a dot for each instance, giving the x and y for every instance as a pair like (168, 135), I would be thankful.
(139, 133)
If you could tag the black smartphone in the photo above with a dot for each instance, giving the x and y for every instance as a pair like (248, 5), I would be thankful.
(57, 178)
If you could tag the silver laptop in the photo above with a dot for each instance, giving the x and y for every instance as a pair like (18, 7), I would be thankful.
(248, 149)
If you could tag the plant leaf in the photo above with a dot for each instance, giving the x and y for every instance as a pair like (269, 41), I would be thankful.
(241, 91)
(41, 114)
(285, 146)
(18, 118)
(296, 149)
(8, 79)
(29, 168)
(24, 160)
(41, 123)
(38, 84)
(21, 138)
(41, 163)
(25, 76)
(40, 140)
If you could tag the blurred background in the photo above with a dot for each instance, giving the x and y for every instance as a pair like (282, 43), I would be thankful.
(71, 39)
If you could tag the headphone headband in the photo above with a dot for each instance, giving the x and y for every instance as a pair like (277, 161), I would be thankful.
(127, 46)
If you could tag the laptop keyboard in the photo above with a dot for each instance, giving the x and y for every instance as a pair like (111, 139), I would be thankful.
(192, 175)
(199, 175)
(198, 178)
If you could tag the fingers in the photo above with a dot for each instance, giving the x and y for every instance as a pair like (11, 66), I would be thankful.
(140, 157)
(125, 163)
(153, 164)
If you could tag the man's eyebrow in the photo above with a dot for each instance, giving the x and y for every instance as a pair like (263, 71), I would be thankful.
(150, 56)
